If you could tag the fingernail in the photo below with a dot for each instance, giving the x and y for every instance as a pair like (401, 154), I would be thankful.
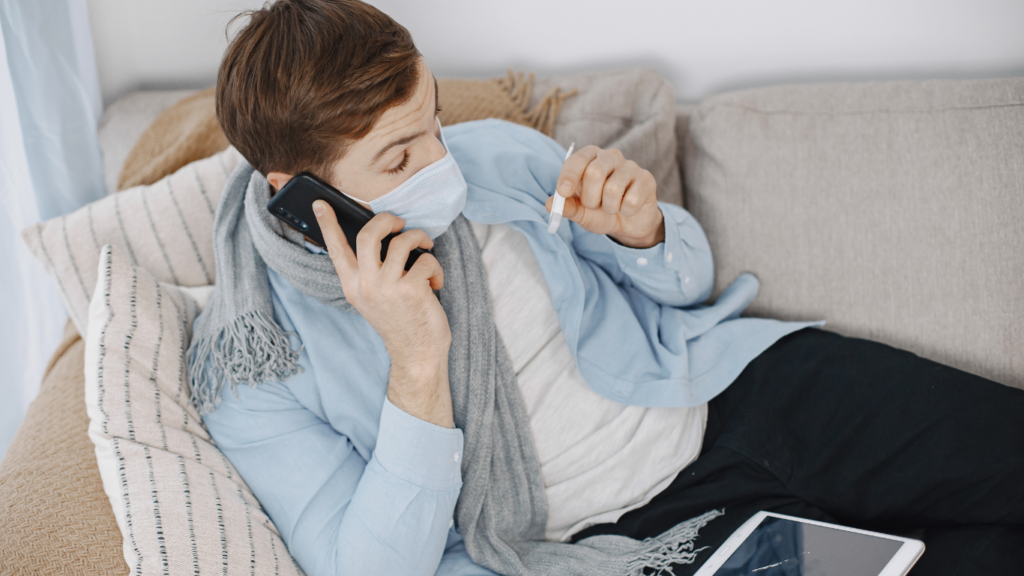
(565, 187)
(318, 207)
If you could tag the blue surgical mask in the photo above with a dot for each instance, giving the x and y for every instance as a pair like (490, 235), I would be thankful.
(431, 199)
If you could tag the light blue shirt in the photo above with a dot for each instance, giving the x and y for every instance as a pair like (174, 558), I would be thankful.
(357, 486)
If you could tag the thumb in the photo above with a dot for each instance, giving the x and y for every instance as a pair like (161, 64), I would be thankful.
(593, 220)
(341, 253)
(574, 209)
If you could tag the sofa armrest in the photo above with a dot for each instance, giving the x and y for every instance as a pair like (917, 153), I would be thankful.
(54, 516)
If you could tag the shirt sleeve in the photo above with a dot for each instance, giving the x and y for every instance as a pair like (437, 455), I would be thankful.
(456, 561)
(676, 272)
(338, 511)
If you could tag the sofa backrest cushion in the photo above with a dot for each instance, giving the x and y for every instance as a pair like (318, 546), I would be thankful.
(894, 210)
(632, 110)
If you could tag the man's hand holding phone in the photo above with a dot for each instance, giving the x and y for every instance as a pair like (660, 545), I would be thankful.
(400, 306)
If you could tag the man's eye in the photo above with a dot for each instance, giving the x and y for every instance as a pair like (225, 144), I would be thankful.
(400, 167)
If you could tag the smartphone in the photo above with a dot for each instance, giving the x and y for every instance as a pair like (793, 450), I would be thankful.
(293, 204)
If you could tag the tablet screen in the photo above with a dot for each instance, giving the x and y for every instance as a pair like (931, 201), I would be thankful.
(781, 547)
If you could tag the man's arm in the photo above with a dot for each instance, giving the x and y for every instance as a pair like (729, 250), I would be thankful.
(676, 272)
(656, 246)
(338, 512)
(400, 306)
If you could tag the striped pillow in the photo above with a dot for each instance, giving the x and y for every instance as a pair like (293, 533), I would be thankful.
(181, 506)
(165, 228)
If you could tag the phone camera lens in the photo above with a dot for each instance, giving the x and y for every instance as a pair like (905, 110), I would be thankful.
(292, 219)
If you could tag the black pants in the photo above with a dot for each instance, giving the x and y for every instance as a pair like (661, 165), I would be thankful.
(858, 433)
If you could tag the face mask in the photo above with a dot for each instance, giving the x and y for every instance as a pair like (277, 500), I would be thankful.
(430, 200)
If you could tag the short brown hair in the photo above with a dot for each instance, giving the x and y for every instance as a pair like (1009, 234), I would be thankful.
(305, 78)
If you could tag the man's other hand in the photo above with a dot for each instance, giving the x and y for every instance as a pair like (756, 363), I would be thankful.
(607, 194)
(400, 305)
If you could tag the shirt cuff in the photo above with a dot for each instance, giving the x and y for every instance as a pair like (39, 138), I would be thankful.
(310, 247)
(684, 243)
(634, 260)
(418, 451)
(671, 271)
(639, 259)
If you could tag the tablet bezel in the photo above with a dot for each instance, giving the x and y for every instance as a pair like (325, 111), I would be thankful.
(901, 562)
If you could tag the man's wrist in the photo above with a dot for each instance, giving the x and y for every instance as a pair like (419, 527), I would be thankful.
(434, 410)
(423, 394)
(652, 239)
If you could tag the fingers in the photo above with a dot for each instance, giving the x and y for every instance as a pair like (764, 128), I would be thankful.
(427, 268)
(599, 178)
(595, 176)
(642, 191)
(341, 253)
(399, 249)
(616, 186)
(605, 180)
(573, 210)
(369, 238)
(368, 242)
(571, 176)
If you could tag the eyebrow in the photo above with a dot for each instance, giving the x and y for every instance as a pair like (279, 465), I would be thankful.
(406, 139)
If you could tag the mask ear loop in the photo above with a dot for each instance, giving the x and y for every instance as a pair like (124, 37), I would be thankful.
(441, 130)
(362, 203)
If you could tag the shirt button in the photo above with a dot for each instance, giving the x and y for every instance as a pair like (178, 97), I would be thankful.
(687, 281)
(641, 261)
(456, 457)
(668, 257)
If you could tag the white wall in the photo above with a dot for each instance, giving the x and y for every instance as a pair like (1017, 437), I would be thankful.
(702, 46)
(159, 43)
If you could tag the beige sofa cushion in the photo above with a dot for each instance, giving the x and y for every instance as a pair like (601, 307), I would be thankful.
(893, 210)
(124, 121)
(683, 112)
(632, 110)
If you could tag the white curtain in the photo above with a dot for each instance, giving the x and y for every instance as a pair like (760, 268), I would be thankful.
(49, 165)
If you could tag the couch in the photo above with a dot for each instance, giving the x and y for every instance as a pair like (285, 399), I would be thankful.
(893, 210)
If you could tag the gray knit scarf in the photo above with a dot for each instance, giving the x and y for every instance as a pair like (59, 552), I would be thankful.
(502, 510)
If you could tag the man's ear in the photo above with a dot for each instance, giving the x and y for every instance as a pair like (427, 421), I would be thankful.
(278, 179)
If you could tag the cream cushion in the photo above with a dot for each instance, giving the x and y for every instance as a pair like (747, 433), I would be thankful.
(181, 506)
(165, 228)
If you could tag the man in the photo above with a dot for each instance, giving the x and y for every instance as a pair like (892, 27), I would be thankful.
(645, 412)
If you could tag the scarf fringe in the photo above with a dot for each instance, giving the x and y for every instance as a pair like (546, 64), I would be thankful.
(672, 547)
(252, 348)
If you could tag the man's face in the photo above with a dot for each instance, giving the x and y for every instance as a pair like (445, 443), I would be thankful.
(405, 140)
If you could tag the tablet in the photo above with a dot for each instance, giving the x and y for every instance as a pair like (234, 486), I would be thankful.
(772, 544)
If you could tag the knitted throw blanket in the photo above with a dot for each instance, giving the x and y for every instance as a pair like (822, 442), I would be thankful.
(501, 511)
